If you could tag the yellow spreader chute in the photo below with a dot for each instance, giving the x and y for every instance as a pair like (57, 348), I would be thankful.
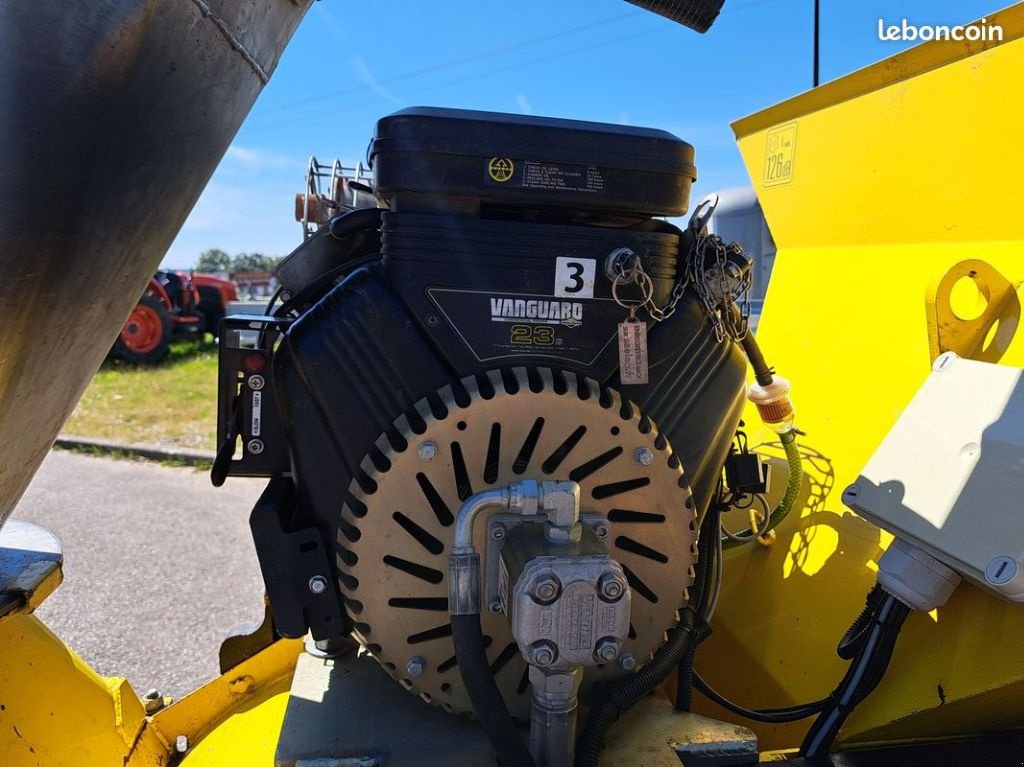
(894, 196)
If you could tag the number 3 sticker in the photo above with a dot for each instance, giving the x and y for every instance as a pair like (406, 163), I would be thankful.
(574, 277)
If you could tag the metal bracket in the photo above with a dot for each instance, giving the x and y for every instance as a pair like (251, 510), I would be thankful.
(498, 525)
(30, 565)
(983, 336)
(300, 581)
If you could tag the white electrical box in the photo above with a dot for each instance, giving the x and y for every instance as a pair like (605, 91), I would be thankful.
(949, 477)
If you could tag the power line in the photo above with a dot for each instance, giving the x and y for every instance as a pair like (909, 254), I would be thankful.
(605, 43)
(457, 62)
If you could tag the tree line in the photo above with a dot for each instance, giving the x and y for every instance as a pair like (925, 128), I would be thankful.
(217, 260)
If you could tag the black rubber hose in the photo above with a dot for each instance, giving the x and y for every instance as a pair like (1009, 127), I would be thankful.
(489, 706)
(617, 697)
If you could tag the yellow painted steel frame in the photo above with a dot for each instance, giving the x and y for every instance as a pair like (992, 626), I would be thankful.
(895, 198)
(55, 711)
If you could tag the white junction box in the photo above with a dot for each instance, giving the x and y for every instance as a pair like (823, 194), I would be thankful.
(949, 476)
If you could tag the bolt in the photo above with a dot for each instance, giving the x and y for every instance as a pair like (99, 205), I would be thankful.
(286, 296)
(255, 446)
(495, 606)
(433, 320)
(644, 456)
(602, 531)
(606, 651)
(627, 662)
(256, 382)
(427, 451)
(546, 589)
(498, 531)
(318, 584)
(543, 654)
(611, 587)
(415, 666)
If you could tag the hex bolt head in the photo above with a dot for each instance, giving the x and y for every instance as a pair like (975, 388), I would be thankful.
(256, 382)
(606, 650)
(255, 446)
(546, 589)
(610, 587)
(415, 666)
(543, 654)
(498, 531)
(602, 530)
(627, 662)
(495, 606)
(427, 451)
(318, 584)
(643, 456)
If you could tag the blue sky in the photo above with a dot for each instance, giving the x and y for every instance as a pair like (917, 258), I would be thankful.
(351, 63)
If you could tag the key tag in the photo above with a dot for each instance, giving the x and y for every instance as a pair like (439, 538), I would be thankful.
(633, 350)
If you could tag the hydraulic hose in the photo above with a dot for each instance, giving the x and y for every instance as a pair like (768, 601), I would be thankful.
(620, 695)
(489, 706)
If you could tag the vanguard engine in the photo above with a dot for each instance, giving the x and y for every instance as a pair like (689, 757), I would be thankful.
(502, 399)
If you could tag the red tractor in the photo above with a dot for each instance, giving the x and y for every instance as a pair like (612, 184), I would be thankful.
(174, 305)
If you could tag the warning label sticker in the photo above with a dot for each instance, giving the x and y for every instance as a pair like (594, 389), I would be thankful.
(545, 176)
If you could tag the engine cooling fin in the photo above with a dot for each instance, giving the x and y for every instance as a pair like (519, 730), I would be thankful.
(397, 526)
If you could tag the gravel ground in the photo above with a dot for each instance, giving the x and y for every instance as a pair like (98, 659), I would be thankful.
(158, 565)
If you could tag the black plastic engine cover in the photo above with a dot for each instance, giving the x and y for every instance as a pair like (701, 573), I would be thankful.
(392, 333)
(426, 158)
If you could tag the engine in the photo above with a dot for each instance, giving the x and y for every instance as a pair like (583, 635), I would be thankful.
(496, 396)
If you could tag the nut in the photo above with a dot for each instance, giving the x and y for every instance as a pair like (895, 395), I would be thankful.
(543, 654)
(318, 584)
(427, 451)
(643, 456)
(152, 701)
(627, 662)
(606, 650)
(611, 587)
(415, 666)
(545, 590)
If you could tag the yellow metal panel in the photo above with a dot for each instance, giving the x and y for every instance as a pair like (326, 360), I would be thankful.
(248, 737)
(235, 701)
(881, 183)
(56, 711)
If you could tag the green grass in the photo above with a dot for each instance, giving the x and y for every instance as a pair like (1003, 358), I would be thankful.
(173, 403)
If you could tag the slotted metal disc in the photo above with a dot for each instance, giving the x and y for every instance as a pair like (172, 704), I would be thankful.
(397, 532)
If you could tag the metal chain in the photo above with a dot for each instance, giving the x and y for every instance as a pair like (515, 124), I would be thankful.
(630, 271)
(721, 284)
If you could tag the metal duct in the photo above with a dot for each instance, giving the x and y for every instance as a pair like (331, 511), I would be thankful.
(115, 114)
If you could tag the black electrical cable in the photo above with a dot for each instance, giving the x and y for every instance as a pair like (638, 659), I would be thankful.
(861, 678)
(686, 677)
(488, 705)
(617, 697)
(767, 715)
(853, 639)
